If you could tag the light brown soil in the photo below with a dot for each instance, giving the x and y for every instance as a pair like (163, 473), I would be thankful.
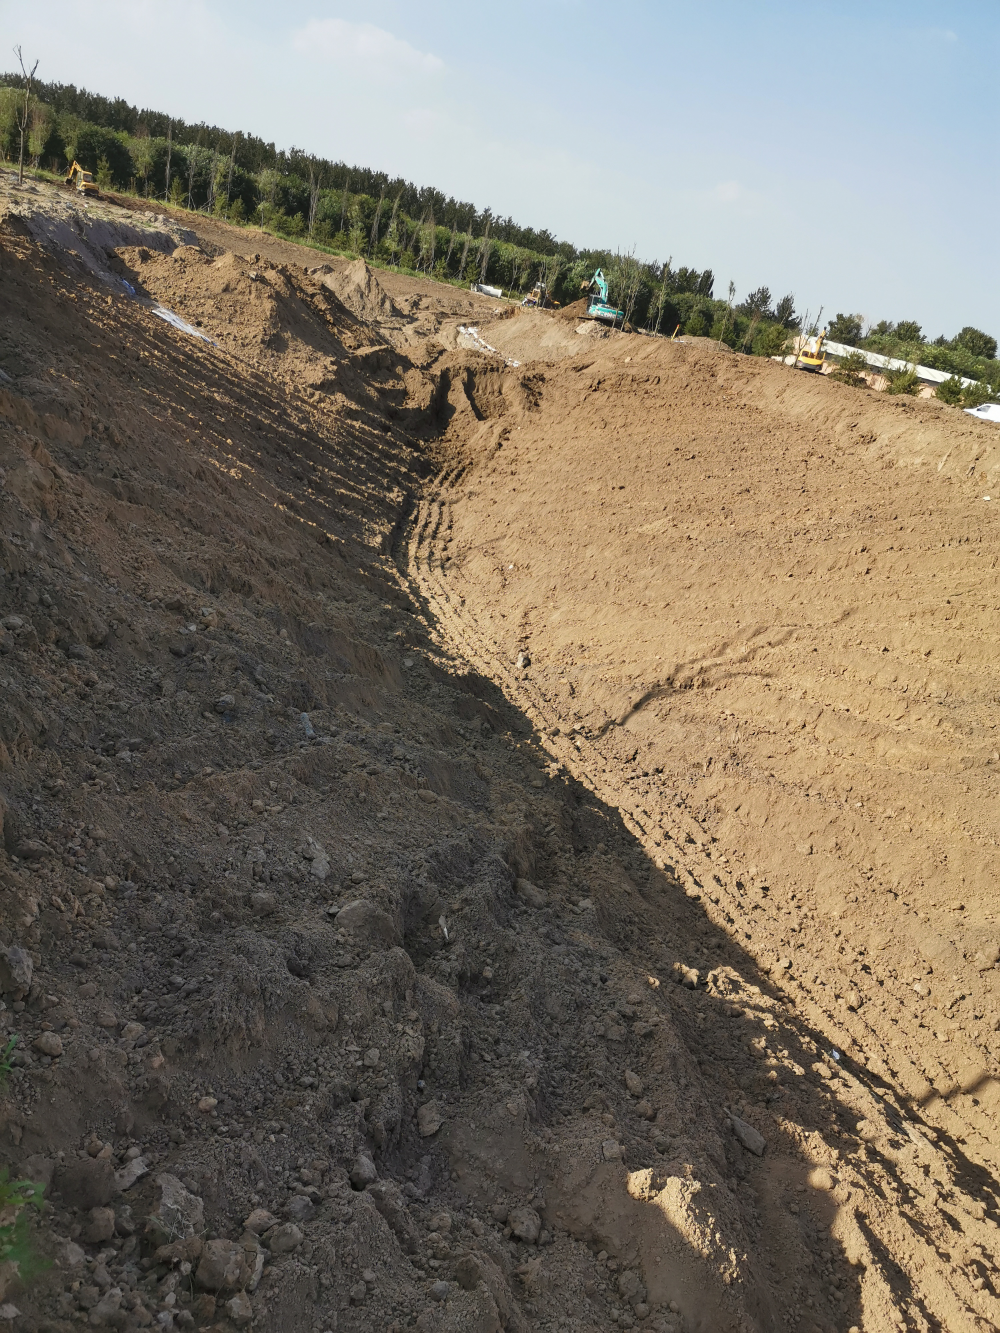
(716, 858)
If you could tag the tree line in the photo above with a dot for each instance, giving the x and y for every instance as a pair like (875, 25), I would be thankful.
(362, 211)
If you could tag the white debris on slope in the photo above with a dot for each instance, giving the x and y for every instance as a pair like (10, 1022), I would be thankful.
(481, 345)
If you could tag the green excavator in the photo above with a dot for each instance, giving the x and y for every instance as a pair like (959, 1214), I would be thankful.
(598, 307)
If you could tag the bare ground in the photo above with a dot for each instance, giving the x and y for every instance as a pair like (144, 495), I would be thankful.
(502, 847)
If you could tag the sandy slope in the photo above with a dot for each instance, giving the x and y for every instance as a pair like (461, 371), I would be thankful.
(760, 618)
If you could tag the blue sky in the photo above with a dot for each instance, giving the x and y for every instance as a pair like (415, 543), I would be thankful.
(842, 152)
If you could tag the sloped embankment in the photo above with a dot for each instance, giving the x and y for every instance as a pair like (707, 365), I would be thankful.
(339, 1005)
(752, 611)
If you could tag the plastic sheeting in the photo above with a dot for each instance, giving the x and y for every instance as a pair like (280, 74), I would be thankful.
(179, 323)
(484, 346)
(880, 362)
(987, 412)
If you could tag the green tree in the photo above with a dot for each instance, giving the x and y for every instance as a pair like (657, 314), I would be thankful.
(902, 381)
(142, 151)
(784, 312)
(909, 331)
(698, 325)
(268, 181)
(852, 371)
(845, 329)
(976, 342)
(757, 303)
(950, 391)
(8, 118)
(103, 174)
(771, 340)
(92, 143)
(39, 129)
(974, 395)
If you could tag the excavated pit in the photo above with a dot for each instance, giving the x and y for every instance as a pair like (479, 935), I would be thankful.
(367, 979)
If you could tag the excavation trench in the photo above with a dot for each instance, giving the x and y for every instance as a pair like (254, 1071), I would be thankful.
(446, 814)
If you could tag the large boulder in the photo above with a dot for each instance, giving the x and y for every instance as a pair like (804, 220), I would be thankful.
(221, 1266)
(367, 923)
(15, 971)
(177, 1215)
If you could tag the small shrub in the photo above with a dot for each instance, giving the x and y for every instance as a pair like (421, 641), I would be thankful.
(6, 1062)
(103, 176)
(950, 391)
(851, 371)
(902, 381)
(974, 395)
(17, 1197)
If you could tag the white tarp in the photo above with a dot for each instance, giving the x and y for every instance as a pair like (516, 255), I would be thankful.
(988, 412)
(481, 345)
(180, 324)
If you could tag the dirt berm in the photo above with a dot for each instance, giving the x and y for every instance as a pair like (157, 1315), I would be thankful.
(485, 847)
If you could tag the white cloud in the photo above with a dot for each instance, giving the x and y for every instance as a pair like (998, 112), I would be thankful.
(362, 48)
(727, 192)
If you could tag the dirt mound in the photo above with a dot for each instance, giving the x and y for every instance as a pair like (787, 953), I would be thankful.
(575, 311)
(535, 335)
(360, 291)
(90, 237)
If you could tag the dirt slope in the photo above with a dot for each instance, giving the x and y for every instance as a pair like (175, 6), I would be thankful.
(365, 979)
(759, 616)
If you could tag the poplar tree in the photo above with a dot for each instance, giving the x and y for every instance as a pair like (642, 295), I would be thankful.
(373, 241)
(23, 113)
(170, 149)
(451, 241)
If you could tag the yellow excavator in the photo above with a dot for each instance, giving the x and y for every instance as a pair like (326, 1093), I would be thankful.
(539, 296)
(84, 180)
(811, 355)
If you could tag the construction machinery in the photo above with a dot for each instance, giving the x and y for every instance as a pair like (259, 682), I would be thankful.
(810, 355)
(84, 180)
(539, 297)
(598, 307)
